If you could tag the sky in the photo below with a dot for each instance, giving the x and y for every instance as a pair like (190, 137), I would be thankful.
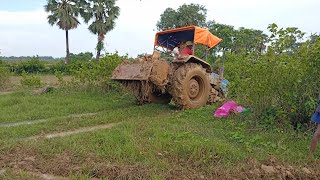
(24, 30)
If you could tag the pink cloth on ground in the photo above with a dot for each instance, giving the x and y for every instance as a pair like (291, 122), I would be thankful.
(228, 108)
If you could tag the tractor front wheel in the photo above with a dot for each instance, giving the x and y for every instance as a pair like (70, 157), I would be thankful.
(190, 86)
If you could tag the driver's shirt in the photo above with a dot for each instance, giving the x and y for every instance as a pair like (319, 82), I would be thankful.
(186, 51)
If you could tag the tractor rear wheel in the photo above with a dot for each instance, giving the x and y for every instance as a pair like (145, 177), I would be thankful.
(190, 86)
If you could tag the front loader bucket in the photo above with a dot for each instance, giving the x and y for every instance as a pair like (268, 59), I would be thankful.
(137, 70)
(143, 76)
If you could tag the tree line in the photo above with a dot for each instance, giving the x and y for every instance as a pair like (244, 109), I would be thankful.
(235, 41)
(100, 15)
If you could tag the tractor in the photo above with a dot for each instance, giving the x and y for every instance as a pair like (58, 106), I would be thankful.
(162, 77)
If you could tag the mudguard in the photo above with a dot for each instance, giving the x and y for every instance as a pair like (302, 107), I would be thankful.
(193, 59)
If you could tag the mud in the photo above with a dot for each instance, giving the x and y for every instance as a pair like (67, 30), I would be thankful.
(134, 70)
(69, 133)
(180, 90)
(139, 69)
(140, 89)
(143, 76)
(68, 163)
(214, 96)
(159, 73)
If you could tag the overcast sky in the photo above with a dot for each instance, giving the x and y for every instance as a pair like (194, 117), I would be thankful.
(24, 30)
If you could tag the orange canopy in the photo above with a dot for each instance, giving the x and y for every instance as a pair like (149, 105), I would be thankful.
(172, 38)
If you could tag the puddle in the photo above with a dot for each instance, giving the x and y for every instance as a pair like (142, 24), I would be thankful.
(69, 133)
(30, 122)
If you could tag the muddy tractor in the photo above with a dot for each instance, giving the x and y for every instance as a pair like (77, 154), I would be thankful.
(165, 76)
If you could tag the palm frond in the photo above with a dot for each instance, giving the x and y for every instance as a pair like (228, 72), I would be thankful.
(104, 12)
(63, 13)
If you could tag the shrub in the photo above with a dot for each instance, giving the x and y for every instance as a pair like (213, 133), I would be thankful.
(31, 66)
(59, 75)
(4, 76)
(97, 74)
(30, 81)
(60, 66)
(83, 57)
(281, 88)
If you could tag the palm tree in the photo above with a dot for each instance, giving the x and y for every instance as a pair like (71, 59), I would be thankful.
(63, 13)
(104, 13)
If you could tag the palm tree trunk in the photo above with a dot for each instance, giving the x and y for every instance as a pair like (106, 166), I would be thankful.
(99, 45)
(67, 46)
(98, 53)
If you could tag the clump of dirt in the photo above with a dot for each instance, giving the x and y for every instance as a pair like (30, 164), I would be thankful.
(213, 96)
(274, 169)
(159, 73)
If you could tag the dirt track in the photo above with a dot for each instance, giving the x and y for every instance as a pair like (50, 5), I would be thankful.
(63, 164)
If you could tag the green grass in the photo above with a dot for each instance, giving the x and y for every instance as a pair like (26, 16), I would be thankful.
(153, 141)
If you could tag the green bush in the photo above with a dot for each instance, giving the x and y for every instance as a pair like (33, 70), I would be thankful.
(4, 76)
(33, 65)
(52, 68)
(30, 81)
(96, 74)
(281, 86)
(82, 57)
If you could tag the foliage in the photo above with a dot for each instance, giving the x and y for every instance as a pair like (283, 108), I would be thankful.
(284, 40)
(185, 15)
(103, 13)
(33, 65)
(59, 76)
(281, 86)
(156, 136)
(240, 40)
(63, 13)
(52, 68)
(98, 74)
(4, 76)
(30, 81)
(86, 56)
(225, 32)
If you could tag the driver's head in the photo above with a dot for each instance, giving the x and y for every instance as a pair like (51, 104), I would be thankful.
(189, 44)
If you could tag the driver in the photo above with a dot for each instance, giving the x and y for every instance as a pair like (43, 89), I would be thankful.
(188, 49)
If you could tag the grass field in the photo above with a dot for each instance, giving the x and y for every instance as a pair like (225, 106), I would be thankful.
(149, 142)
